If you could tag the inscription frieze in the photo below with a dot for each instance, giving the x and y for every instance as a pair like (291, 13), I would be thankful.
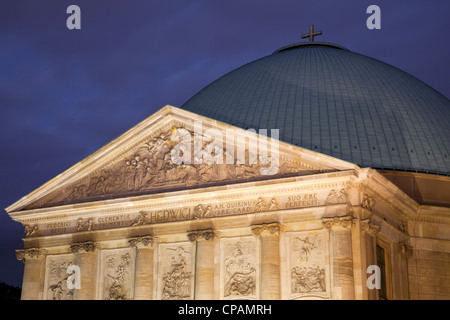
(197, 211)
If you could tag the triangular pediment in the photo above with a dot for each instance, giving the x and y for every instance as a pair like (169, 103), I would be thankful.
(153, 157)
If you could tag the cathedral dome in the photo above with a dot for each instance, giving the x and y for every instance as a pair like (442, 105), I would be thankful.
(328, 99)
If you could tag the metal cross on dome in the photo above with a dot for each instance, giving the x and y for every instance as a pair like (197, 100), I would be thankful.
(311, 33)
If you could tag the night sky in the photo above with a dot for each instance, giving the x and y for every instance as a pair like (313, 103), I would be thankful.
(66, 93)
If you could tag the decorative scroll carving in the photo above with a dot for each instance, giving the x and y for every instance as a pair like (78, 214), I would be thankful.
(176, 277)
(344, 221)
(207, 234)
(31, 231)
(32, 253)
(307, 264)
(57, 277)
(240, 269)
(368, 202)
(267, 229)
(88, 246)
(334, 198)
(117, 276)
(145, 241)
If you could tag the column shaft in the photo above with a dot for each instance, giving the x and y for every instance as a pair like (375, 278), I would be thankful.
(270, 267)
(143, 288)
(342, 263)
(204, 273)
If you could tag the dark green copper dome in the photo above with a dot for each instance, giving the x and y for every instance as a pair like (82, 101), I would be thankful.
(328, 99)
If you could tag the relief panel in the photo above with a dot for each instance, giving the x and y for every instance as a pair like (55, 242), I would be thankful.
(308, 265)
(56, 277)
(117, 274)
(176, 271)
(239, 268)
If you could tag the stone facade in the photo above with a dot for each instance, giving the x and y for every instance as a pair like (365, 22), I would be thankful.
(141, 228)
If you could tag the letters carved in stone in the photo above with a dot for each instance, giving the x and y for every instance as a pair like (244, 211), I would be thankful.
(240, 268)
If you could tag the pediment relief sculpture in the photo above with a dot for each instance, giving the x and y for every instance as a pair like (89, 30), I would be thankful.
(149, 166)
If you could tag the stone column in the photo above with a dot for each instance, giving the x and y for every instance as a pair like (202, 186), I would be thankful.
(204, 266)
(86, 258)
(341, 241)
(34, 272)
(143, 287)
(270, 260)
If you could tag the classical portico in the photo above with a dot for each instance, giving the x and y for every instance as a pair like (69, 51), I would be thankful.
(308, 231)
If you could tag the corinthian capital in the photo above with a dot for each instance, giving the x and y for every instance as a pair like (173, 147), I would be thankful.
(142, 241)
(344, 221)
(32, 253)
(207, 234)
(267, 229)
(88, 246)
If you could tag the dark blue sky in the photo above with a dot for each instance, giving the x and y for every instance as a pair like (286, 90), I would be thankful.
(65, 93)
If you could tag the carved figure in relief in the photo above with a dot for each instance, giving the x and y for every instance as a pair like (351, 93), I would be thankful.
(273, 205)
(304, 248)
(306, 274)
(342, 196)
(198, 212)
(116, 277)
(31, 230)
(332, 198)
(308, 279)
(177, 281)
(240, 271)
(58, 276)
(151, 166)
(368, 202)
(85, 226)
(78, 192)
(260, 205)
(141, 220)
